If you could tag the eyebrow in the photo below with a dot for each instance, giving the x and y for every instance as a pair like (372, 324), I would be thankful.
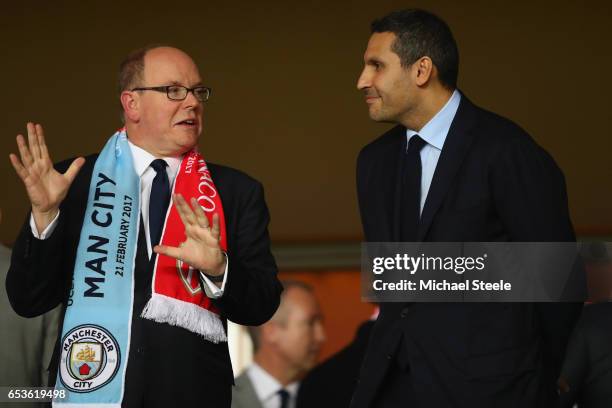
(199, 83)
(374, 60)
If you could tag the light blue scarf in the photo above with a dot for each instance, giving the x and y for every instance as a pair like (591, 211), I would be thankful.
(96, 333)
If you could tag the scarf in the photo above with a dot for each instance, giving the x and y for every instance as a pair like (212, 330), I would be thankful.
(96, 332)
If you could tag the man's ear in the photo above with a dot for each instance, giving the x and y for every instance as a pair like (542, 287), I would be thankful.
(130, 101)
(424, 70)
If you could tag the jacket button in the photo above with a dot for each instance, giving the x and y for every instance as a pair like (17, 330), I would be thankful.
(404, 312)
(389, 356)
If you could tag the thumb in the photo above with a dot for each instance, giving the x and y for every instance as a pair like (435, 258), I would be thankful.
(74, 168)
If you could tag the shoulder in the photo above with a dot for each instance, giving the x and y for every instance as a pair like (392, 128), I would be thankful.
(242, 379)
(504, 141)
(243, 384)
(233, 183)
(495, 129)
(243, 393)
(391, 139)
(221, 173)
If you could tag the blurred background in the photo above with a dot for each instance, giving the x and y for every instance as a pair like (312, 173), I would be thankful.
(285, 108)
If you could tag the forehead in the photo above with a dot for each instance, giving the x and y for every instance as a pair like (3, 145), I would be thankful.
(164, 66)
(379, 46)
(301, 303)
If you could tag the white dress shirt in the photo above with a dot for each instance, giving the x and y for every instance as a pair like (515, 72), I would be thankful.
(142, 165)
(434, 133)
(267, 387)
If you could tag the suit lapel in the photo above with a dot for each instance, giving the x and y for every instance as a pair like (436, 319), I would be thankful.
(456, 146)
(245, 394)
(391, 182)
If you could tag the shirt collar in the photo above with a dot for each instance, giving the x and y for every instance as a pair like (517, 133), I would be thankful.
(267, 386)
(435, 131)
(143, 159)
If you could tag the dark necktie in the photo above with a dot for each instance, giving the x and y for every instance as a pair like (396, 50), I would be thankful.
(158, 201)
(411, 190)
(284, 398)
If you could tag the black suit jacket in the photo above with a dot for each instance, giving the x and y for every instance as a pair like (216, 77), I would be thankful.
(588, 364)
(492, 183)
(331, 383)
(167, 365)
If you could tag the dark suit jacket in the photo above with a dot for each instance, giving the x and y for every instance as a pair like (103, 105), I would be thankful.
(588, 363)
(331, 384)
(167, 365)
(492, 183)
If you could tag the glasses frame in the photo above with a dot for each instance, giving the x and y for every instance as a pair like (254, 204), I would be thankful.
(166, 89)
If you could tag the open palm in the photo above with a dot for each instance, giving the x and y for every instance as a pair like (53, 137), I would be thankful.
(46, 187)
(201, 248)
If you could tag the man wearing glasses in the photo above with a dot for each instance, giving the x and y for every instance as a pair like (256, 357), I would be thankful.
(148, 248)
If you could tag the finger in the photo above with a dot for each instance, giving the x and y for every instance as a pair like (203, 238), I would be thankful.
(172, 252)
(24, 152)
(33, 141)
(22, 172)
(199, 213)
(184, 210)
(44, 152)
(215, 230)
(74, 168)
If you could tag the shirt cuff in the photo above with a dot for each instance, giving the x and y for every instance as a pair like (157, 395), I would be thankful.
(212, 290)
(47, 231)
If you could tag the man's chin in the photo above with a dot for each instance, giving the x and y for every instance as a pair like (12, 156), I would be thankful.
(382, 119)
(185, 143)
(379, 116)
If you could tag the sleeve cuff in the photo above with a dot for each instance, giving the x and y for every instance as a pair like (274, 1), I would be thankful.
(210, 288)
(47, 231)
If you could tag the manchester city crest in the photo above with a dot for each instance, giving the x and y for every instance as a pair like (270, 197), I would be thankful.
(90, 358)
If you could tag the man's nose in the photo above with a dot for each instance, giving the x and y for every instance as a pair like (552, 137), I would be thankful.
(363, 81)
(190, 101)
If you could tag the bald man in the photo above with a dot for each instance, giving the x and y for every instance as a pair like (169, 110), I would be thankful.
(286, 348)
(148, 248)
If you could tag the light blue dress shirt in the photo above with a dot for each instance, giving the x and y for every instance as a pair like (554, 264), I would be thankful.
(434, 133)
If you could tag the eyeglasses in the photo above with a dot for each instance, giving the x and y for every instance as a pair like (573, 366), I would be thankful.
(179, 92)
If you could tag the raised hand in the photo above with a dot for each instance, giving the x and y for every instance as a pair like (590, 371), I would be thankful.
(45, 186)
(201, 248)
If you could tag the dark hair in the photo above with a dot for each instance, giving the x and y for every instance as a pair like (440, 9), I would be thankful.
(131, 69)
(419, 34)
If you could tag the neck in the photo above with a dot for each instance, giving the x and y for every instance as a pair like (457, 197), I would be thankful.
(432, 103)
(136, 137)
(277, 368)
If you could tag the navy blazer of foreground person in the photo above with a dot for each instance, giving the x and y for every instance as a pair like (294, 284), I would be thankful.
(492, 182)
(167, 365)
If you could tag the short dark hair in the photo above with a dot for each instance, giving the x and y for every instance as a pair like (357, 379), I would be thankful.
(420, 33)
(131, 69)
